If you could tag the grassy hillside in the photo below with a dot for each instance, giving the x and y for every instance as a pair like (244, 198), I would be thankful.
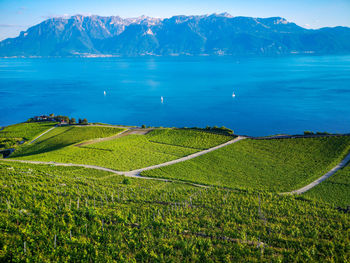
(277, 165)
(187, 138)
(70, 214)
(12, 134)
(125, 153)
(335, 190)
(61, 137)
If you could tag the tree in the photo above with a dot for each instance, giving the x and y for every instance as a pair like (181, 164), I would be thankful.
(143, 126)
(80, 121)
(72, 121)
(84, 121)
(52, 115)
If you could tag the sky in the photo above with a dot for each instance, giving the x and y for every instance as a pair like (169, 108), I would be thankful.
(18, 15)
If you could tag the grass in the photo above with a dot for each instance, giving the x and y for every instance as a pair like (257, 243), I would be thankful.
(6, 143)
(13, 134)
(61, 137)
(124, 153)
(274, 165)
(59, 214)
(187, 138)
(335, 190)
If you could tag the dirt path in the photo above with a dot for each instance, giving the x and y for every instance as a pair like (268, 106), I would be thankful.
(121, 134)
(42, 134)
(136, 173)
(341, 165)
(191, 156)
(104, 169)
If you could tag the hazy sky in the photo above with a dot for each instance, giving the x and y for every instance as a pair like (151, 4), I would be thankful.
(18, 15)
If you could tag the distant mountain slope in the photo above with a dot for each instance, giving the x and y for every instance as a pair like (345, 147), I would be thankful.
(217, 34)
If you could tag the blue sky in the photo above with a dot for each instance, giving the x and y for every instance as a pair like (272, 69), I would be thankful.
(18, 15)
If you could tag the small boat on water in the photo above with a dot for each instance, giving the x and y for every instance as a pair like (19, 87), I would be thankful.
(104, 93)
(233, 95)
(161, 99)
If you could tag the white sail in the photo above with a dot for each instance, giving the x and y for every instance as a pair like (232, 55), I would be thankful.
(161, 99)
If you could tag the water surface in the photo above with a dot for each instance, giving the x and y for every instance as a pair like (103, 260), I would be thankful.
(273, 95)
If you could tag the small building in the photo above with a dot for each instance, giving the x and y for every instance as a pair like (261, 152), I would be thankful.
(43, 118)
(62, 123)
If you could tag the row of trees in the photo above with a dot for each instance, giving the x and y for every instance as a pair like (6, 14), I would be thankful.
(68, 120)
(80, 121)
(58, 118)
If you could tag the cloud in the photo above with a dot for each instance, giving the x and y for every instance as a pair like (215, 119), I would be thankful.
(21, 9)
(55, 16)
(10, 25)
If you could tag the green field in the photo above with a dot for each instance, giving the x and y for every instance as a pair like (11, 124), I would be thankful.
(187, 138)
(65, 214)
(13, 134)
(335, 190)
(61, 137)
(124, 153)
(275, 165)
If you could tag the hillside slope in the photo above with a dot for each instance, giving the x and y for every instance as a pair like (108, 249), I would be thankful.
(216, 34)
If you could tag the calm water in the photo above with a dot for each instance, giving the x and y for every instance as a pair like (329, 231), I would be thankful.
(273, 95)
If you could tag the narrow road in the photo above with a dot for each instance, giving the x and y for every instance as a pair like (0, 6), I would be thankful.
(188, 157)
(121, 134)
(127, 174)
(341, 165)
(42, 134)
(136, 173)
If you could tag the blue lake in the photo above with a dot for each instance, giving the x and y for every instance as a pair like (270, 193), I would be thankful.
(273, 95)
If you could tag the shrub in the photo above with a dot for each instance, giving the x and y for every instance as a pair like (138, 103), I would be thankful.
(126, 181)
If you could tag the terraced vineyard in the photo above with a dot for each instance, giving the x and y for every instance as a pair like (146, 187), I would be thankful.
(274, 165)
(61, 137)
(13, 134)
(335, 190)
(124, 153)
(73, 214)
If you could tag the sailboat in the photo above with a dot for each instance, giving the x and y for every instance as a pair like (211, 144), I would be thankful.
(104, 93)
(233, 95)
(161, 99)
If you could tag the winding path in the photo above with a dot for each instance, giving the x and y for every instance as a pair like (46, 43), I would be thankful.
(121, 134)
(341, 165)
(42, 134)
(188, 157)
(136, 173)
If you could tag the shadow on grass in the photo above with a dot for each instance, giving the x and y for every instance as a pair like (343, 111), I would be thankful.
(43, 147)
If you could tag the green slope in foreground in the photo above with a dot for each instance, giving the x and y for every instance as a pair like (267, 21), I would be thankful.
(61, 137)
(275, 165)
(66, 214)
(12, 134)
(335, 190)
(124, 153)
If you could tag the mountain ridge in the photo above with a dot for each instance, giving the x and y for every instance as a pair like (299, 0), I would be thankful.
(215, 34)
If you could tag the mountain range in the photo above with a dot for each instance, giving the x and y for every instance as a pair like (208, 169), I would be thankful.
(216, 34)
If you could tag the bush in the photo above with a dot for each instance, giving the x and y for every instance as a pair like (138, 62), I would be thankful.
(308, 133)
(143, 126)
(126, 181)
(322, 133)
